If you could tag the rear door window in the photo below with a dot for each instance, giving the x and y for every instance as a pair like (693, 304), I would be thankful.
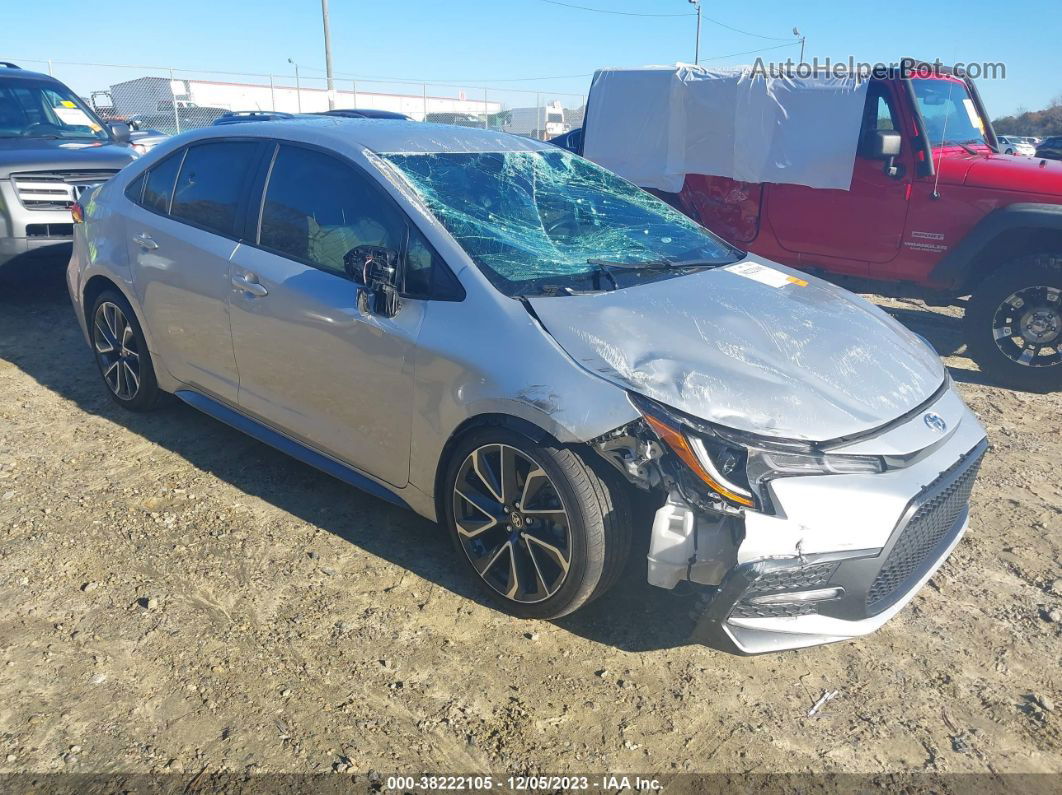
(213, 181)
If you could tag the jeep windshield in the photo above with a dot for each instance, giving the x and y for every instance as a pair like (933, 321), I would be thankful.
(42, 109)
(549, 222)
(949, 112)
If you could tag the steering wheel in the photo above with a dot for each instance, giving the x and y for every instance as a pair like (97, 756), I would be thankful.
(38, 125)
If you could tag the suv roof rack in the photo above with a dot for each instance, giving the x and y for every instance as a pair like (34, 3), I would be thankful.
(9, 65)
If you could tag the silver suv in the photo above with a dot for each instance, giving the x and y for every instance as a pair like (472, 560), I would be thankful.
(518, 344)
(52, 148)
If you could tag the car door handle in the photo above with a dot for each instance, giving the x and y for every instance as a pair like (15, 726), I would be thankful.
(145, 242)
(249, 284)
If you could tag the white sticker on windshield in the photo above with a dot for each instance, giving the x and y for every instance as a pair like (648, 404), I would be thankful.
(764, 274)
(975, 117)
(74, 117)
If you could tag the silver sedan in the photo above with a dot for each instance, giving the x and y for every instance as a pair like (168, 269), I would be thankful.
(513, 342)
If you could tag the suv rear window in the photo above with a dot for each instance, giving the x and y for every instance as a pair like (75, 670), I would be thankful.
(212, 182)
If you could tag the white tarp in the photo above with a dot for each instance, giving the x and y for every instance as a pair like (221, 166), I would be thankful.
(655, 124)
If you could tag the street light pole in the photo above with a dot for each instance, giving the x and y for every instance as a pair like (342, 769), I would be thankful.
(328, 55)
(697, 47)
(298, 87)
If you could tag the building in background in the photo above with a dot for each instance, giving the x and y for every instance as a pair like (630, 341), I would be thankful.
(186, 101)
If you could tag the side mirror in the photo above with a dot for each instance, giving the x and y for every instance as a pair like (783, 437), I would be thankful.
(375, 270)
(883, 145)
(119, 131)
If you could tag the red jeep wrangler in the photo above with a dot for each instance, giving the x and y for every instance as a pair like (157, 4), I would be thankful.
(934, 212)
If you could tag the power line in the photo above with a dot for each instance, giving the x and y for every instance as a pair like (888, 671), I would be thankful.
(358, 76)
(641, 14)
(749, 52)
(612, 11)
(743, 32)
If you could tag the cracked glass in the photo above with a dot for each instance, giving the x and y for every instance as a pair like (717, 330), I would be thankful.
(532, 220)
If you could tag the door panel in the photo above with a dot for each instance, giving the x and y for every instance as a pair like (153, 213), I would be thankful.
(181, 230)
(314, 366)
(861, 225)
(182, 279)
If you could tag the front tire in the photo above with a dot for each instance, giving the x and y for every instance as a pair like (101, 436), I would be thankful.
(121, 351)
(538, 527)
(1014, 323)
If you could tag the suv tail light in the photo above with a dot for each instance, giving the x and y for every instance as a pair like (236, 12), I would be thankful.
(77, 212)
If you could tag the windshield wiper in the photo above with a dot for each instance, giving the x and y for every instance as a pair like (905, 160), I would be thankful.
(653, 264)
(960, 143)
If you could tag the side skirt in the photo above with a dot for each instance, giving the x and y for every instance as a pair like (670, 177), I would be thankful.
(297, 450)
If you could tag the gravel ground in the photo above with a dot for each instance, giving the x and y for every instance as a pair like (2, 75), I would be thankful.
(177, 597)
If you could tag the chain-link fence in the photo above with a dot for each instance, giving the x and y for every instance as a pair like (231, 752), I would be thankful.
(170, 100)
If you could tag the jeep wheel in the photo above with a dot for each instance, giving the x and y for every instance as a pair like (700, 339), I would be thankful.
(1014, 323)
(536, 524)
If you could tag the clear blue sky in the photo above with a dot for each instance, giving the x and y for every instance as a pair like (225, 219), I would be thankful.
(473, 41)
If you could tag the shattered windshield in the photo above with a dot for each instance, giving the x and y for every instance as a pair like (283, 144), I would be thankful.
(536, 222)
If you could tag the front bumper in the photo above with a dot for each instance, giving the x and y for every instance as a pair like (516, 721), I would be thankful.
(34, 248)
(844, 554)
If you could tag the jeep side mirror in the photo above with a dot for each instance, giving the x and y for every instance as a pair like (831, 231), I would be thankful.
(119, 131)
(883, 145)
(375, 270)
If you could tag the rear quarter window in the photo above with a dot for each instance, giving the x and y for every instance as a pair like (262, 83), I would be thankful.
(158, 187)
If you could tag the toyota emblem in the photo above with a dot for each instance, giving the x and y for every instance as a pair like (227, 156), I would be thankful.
(935, 422)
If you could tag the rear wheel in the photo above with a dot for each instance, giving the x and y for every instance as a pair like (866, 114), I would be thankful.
(121, 353)
(537, 526)
(1014, 323)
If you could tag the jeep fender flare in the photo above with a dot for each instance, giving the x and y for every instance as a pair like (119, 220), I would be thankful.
(973, 257)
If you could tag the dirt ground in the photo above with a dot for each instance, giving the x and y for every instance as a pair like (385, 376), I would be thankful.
(175, 596)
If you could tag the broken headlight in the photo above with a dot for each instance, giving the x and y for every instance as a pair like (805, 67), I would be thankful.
(736, 466)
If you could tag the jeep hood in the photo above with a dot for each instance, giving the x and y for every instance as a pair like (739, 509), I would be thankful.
(45, 154)
(1003, 172)
(803, 360)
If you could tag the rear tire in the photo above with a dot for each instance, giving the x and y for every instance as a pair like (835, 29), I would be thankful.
(1014, 323)
(543, 532)
(121, 352)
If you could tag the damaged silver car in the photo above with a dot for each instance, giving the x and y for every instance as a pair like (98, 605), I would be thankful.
(520, 345)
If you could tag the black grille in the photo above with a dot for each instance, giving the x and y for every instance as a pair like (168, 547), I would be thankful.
(937, 514)
(802, 579)
(805, 578)
(745, 610)
(49, 230)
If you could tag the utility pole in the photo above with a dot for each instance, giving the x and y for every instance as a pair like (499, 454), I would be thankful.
(328, 55)
(298, 87)
(697, 47)
(796, 32)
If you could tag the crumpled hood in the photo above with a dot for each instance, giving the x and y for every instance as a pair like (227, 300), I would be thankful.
(805, 360)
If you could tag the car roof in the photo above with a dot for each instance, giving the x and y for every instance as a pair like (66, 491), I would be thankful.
(19, 73)
(364, 113)
(397, 137)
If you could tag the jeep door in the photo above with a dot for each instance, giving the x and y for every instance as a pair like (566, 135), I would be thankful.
(312, 363)
(845, 230)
